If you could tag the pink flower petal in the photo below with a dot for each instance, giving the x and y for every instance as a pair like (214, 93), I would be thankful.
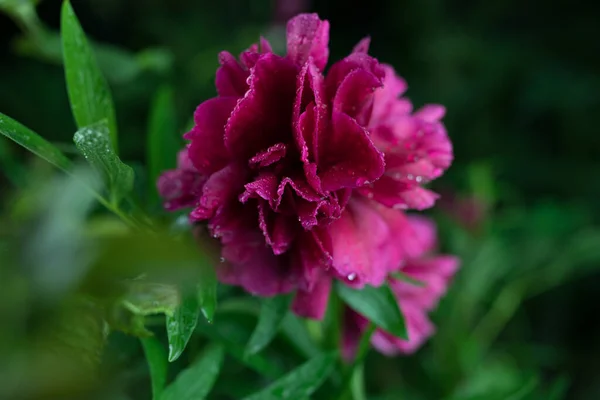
(362, 46)
(308, 36)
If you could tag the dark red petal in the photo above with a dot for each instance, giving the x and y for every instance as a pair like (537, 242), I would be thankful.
(262, 117)
(221, 187)
(252, 265)
(348, 156)
(308, 36)
(269, 156)
(354, 96)
(342, 68)
(264, 187)
(309, 118)
(279, 230)
(207, 151)
(231, 77)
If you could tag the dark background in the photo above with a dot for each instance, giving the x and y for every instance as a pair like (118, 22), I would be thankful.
(520, 80)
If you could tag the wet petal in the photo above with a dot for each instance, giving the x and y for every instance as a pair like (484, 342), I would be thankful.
(308, 36)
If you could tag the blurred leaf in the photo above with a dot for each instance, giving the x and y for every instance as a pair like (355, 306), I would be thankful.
(181, 325)
(301, 382)
(146, 298)
(33, 142)
(297, 333)
(162, 142)
(57, 252)
(195, 382)
(272, 313)
(207, 292)
(558, 389)
(378, 305)
(93, 142)
(89, 94)
(157, 364)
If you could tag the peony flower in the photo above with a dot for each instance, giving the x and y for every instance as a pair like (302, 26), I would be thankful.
(305, 173)
(433, 271)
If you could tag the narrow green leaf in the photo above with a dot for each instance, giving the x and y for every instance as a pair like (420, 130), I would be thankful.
(300, 383)
(33, 142)
(181, 325)
(378, 305)
(157, 364)
(94, 143)
(272, 313)
(195, 382)
(207, 292)
(163, 143)
(89, 94)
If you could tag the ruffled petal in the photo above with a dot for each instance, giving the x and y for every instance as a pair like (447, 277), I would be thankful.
(349, 158)
(270, 156)
(262, 117)
(231, 77)
(207, 150)
(221, 187)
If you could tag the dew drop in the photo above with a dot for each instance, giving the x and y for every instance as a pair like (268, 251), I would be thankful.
(351, 276)
(222, 259)
(419, 178)
(410, 177)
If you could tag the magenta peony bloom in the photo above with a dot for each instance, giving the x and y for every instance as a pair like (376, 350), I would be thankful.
(434, 271)
(304, 173)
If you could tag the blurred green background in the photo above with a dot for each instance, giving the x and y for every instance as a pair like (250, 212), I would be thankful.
(521, 82)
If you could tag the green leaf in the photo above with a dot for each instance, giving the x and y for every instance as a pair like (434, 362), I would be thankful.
(299, 383)
(181, 325)
(163, 143)
(195, 382)
(94, 143)
(33, 142)
(157, 364)
(146, 298)
(378, 305)
(89, 94)
(207, 292)
(272, 313)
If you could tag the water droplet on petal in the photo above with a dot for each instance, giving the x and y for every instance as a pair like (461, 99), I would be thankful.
(419, 178)
(222, 259)
(351, 276)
